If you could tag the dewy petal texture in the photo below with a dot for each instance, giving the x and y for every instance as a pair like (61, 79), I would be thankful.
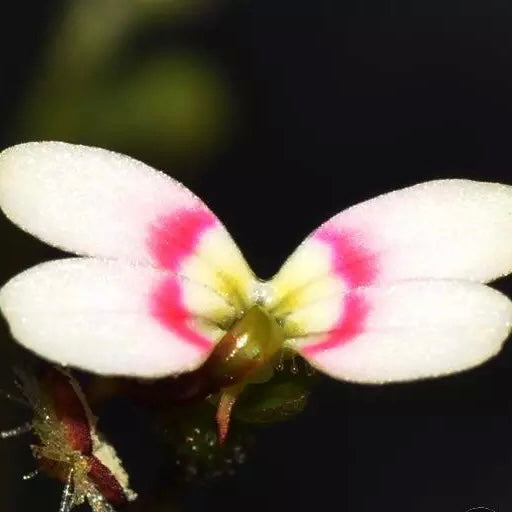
(454, 229)
(413, 329)
(386, 290)
(95, 202)
(104, 316)
(86, 200)
(357, 267)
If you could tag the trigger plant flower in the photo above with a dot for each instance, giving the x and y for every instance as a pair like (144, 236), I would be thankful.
(392, 289)
(68, 445)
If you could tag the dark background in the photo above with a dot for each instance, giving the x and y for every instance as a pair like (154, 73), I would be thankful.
(335, 101)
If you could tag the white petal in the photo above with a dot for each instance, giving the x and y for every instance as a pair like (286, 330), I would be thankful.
(412, 330)
(450, 229)
(98, 203)
(109, 317)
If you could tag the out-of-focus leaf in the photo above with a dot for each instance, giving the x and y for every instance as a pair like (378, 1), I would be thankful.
(277, 400)
(177, 105)
(175, 108)
(158, 10)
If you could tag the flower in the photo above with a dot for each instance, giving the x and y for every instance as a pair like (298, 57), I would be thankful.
(392, 289)
(68, 445)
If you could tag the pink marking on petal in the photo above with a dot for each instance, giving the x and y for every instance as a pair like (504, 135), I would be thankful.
(167, 306)
(350, 324)
(174, 237)
(356, 266)
(351, 260)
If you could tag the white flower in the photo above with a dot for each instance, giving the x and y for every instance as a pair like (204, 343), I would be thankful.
(391, 289)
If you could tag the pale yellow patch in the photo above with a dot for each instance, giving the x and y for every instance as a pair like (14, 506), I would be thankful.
(221, 252)
(323, 288)
(207, 329)
(310, 262)
(207, 303)
(316, 317)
